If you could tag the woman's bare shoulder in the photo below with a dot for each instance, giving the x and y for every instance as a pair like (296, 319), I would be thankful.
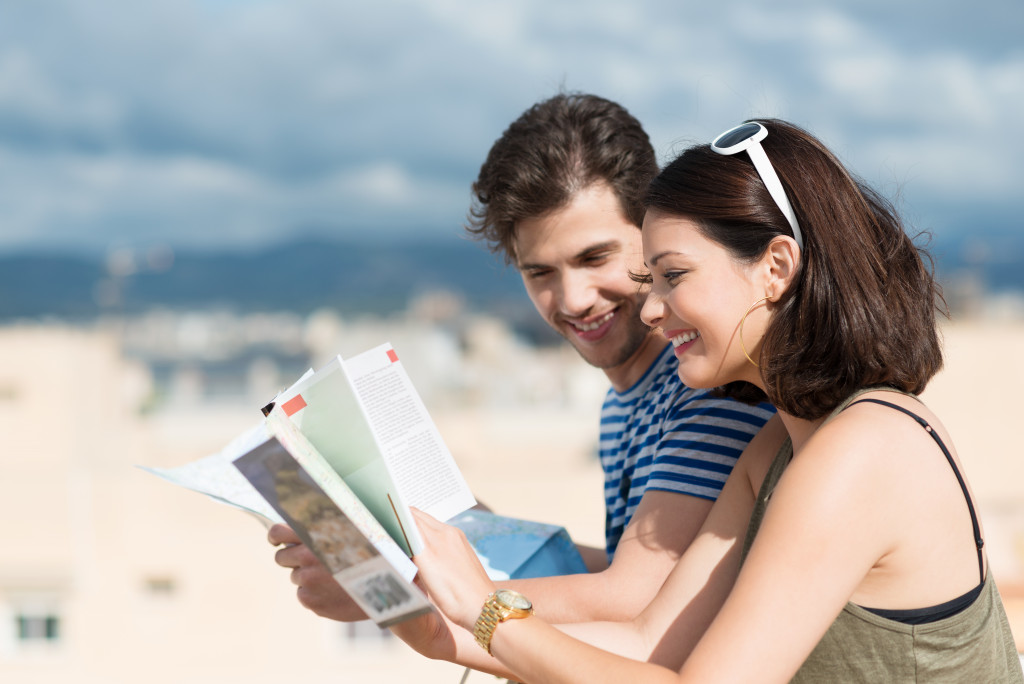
(867, 424)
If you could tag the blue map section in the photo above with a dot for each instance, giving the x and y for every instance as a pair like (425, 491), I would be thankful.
(511, 548)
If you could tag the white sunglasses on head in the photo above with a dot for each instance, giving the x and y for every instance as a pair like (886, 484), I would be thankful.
(747, 138)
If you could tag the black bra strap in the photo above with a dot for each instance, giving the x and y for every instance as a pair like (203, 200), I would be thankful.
(952, 464)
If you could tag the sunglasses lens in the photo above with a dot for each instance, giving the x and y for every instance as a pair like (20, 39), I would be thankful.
(737, 135)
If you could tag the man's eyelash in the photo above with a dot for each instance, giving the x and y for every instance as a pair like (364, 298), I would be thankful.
(643, 278)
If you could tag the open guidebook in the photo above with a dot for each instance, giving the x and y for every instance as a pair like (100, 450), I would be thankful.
(339, 457)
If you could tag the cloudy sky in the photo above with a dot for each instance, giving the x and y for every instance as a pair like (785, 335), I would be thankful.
(233, 123)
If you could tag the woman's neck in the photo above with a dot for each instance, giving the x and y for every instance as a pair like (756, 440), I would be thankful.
(799, 429)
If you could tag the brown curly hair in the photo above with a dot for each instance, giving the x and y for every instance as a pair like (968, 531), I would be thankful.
(553, 150)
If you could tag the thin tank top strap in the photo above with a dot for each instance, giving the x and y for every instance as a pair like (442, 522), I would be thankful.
(979, 542)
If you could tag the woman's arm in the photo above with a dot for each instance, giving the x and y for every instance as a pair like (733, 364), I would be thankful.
(529, 649)
(672, 623)
(665, 631)
(833, 517)
(821, 534)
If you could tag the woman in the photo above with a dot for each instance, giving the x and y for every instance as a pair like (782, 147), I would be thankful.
(854, 553)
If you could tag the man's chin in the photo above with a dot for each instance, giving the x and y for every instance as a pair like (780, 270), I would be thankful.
(618, 345)
(604, 357)
(608, 355)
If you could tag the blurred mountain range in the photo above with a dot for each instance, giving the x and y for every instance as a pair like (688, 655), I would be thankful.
(300, 276)
(354, 277)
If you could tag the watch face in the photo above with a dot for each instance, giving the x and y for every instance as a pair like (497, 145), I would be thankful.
(513, 599)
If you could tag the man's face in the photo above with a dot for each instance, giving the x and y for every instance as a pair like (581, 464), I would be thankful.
(575, 263)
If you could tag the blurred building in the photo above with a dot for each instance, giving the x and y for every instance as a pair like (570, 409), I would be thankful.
(109, 574)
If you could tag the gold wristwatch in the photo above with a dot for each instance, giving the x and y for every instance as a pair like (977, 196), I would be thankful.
(501, 605)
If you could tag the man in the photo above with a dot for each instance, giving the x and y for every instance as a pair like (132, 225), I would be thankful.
(559, 196)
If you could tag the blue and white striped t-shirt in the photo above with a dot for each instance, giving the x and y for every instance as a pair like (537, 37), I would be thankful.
(662, 435)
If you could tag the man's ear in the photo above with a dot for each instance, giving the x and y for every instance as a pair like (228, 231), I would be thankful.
(781, 260)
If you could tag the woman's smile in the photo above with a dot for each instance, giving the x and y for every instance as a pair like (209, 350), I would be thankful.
(682, 340)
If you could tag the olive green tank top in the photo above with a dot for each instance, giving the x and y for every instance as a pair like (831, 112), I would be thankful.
(974, 645)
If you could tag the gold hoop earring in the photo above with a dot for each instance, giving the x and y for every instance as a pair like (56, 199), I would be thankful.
(744, 320)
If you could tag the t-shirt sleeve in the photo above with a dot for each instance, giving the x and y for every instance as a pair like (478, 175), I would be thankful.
(701, 438)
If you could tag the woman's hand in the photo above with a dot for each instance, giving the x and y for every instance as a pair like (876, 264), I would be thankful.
(450, 571)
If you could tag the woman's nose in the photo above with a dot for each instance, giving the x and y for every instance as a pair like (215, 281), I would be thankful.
(653, 310)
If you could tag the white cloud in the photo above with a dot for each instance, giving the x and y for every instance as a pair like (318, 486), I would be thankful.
(140, 201)
(169, 118)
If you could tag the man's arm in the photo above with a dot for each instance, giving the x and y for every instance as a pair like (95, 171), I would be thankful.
(700, 437)
(663, 525)
(594, 558)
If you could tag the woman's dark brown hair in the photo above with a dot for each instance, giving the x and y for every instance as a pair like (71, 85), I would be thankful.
(553, 150)
(861, 311)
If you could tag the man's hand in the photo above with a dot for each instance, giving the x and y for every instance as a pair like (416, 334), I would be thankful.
(317, 589)
(431, 635)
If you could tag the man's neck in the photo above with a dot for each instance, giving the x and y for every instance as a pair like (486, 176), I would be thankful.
(626, 374)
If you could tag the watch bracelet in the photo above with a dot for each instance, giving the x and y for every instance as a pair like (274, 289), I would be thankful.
(490, 616)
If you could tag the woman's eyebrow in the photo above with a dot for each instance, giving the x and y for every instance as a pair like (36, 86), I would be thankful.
(654, 259)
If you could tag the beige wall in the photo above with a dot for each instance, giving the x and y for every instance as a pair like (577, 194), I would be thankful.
(86, 534)
(158, 584)
(154, 583)
(977, 396)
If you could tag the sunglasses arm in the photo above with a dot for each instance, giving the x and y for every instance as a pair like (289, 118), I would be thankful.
(771, 181)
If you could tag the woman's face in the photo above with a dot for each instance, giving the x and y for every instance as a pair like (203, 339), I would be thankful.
(698, 297)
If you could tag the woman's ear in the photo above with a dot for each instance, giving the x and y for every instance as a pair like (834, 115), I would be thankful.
(781, 260)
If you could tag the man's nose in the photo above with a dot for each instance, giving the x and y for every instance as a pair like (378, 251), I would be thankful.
(578, 293)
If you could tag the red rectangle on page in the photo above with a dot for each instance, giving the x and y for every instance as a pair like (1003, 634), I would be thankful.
(294, 405)
(393, 355)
